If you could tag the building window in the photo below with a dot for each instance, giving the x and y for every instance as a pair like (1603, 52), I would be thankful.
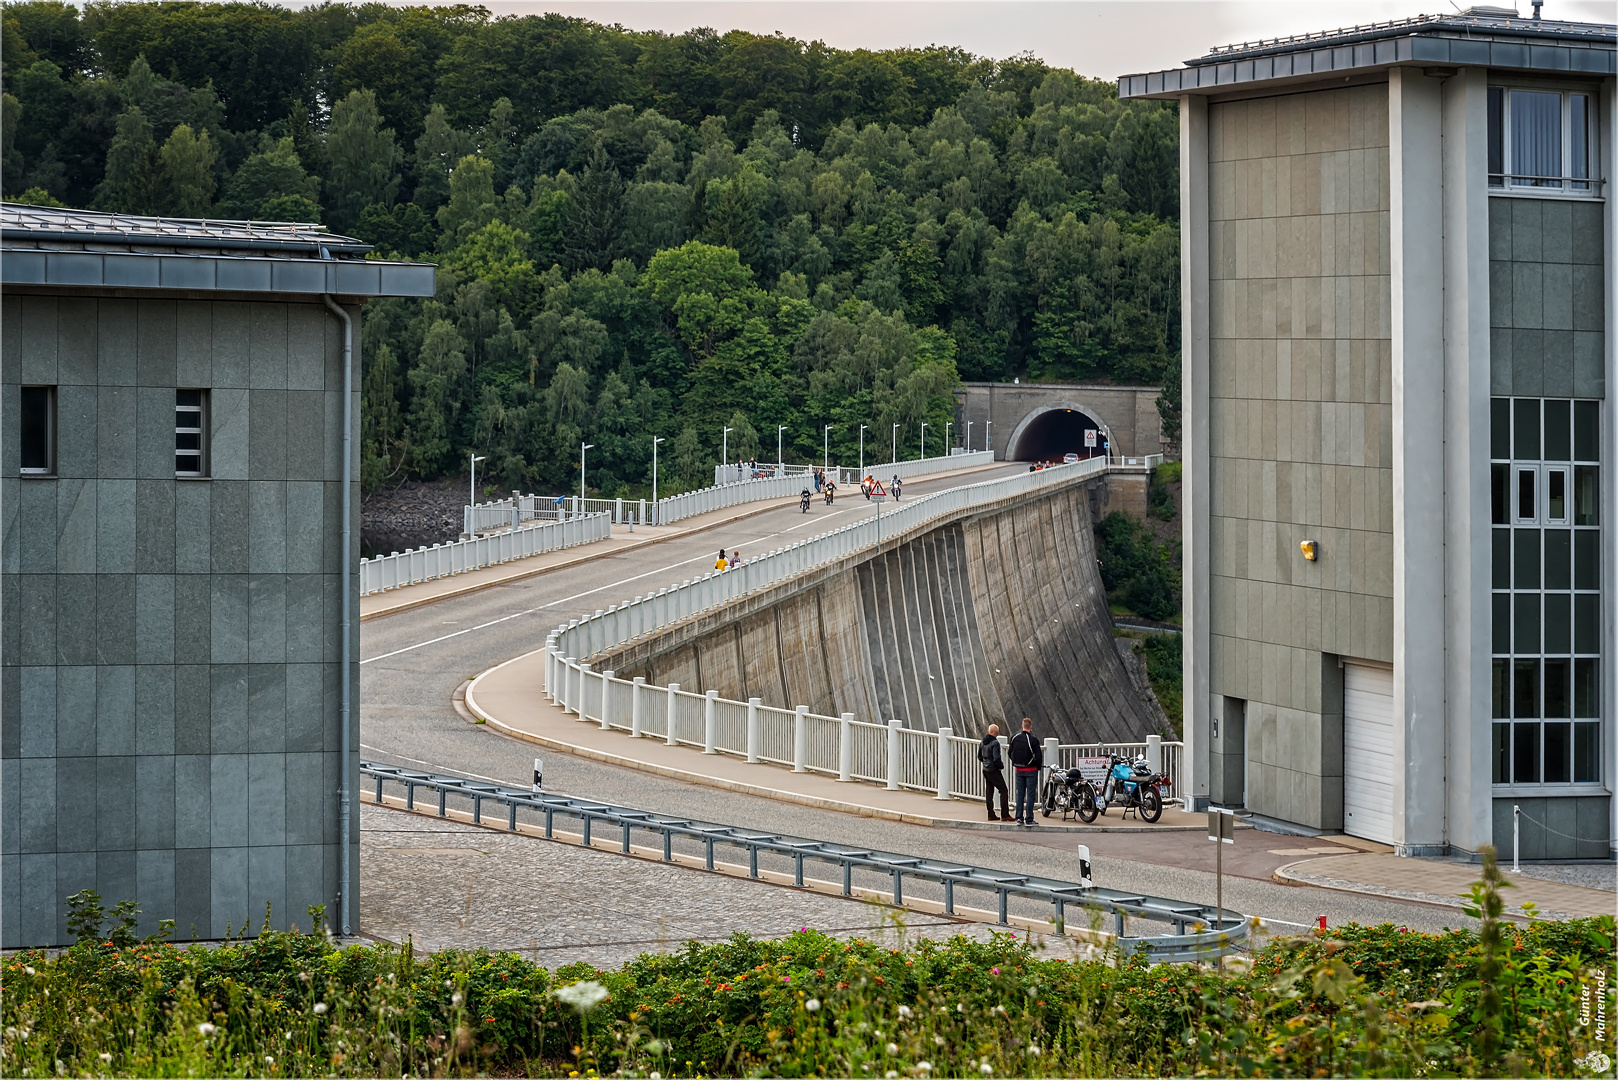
(1541, 139)
(190, 420)
(38, 428)
(1545, 580)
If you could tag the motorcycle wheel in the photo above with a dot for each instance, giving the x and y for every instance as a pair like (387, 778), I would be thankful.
(1048, 802)
(1087, 807)
(1151, 805)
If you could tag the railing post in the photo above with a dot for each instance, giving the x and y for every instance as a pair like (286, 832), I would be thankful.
(1154, 753)
(571, 677)
(946, 773)
(752, 728)
(636, 694)
(710, 722)
(1051, 752)
(674, 691)
(606, 692)
(893, 755)
(845, 748)
(800, 740)
(584, 680)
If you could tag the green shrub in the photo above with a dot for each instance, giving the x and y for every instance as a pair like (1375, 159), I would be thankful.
(1164, 660)
(1136, 571)
(1160, 503)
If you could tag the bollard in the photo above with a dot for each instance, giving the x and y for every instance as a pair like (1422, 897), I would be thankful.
(1154, 753)
(1049, 753)
(946, 771)
(710, 722)
(606, 690)
(752, 728)
(845, 749)
(636, 693)
(893, 755)
(674, 689)
(800, 740)
(584, 680)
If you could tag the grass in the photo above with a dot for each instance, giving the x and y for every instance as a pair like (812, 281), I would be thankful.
(1362, 1001)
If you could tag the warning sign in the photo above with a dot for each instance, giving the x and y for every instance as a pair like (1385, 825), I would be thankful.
(1089, 436)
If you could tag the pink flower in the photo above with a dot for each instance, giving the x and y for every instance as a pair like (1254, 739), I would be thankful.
(994, 971)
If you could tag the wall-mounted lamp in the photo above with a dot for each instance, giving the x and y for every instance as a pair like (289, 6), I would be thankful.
(1310, 549)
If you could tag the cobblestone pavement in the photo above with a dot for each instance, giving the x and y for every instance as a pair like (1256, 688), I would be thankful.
(1592, 875)
(448, 885)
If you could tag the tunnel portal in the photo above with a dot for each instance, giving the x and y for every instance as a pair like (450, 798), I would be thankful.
(1053, 432)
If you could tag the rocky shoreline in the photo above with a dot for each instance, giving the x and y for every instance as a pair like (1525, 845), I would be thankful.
(412, 515)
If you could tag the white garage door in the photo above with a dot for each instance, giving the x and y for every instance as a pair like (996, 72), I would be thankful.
(1368, 752)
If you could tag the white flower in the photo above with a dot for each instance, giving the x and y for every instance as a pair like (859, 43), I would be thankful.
(1001, 1009)
(289, 1036)
(960, 1007)
(456, 999)
(320, 1008)
(583, 996)
(1033, 1051)
(893, 1048)
(205, 1029)
(924, 1066)
(268, 1060)
(448, 983)
(106, 1059)
(939, 1039)
(655, 1076)
(30, 971)
(986, 1069)
(904, 1010)
(812, 1005)
(891, 1074)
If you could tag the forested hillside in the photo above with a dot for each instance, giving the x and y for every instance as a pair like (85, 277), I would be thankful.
(638, 234)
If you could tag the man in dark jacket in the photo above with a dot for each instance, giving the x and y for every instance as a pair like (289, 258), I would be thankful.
(994, 774)
(1027, 758)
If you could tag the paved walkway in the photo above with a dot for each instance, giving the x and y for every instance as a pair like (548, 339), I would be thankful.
(1443, 881)
(511, 700)
(621, 541)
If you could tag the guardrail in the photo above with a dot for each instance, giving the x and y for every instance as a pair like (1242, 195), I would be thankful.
(850, 749)
(1214, 933)
(883, 471)
(415, 565)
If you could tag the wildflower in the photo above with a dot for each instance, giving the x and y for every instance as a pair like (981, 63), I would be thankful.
(106, 1059)
(1033, 1051)
(904, 1010)
(456, 999)
(30, 971)
(268, 1060)
(320, 1007)
(893, 1048)
(205, 1029)
(986, 1069)
(583, 996)
(924, 1067)
(891, 1074)
(994, 971)
(939, 1039)
(812, 1005)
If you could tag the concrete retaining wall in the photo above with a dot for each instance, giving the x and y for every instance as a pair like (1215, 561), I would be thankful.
(994, 615)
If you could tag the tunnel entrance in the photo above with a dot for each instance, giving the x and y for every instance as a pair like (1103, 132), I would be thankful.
(1053, 433)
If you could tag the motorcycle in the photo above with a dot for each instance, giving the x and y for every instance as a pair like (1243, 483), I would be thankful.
(803, 502)
(1068, 791)
(829, 490)
(1135, 787)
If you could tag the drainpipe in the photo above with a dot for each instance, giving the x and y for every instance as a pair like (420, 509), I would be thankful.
(345, 907)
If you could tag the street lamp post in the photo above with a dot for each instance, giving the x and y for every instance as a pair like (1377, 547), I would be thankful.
(724, 447)
(583, 446)
(969, 436)
(894, 451)
(825, 449)
(780, 464)
(862, 452)
(655, 440)
(472, 493)
(948, 426)
(924, 440)
(988, 437)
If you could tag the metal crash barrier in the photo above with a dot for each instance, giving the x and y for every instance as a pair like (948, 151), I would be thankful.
(1196, 937)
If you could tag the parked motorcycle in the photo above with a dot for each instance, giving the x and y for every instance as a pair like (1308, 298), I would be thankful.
(1133, 786)
(1068, 791)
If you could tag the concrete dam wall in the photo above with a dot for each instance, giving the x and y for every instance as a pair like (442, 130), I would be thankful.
(995, 614)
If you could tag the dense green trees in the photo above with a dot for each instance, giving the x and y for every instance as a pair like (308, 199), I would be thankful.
(638, 233)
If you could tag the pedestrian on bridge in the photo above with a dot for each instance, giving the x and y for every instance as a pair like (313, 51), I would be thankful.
(1027, 758)
(721, 563)
(994, 774)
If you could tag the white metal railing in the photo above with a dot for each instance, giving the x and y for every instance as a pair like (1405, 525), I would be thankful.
(847, 475)
(842, 746)
(415, 565)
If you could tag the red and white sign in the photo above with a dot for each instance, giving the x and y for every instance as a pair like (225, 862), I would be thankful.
(1089, 436)
(1094, 769)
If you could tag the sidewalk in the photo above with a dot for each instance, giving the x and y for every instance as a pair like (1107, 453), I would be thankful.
(510, 699)
(622, 539)
(1442, 882)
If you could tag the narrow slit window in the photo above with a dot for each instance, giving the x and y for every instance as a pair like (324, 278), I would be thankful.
(190, 416)
(38, 431)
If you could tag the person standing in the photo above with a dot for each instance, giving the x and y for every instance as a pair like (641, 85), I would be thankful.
(721, 563)
(1027, 758)
(994, 774)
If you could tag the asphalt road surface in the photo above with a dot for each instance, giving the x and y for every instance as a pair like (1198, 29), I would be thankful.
(413, 661)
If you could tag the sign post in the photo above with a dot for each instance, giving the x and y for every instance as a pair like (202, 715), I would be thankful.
(1222, 831)
(878, 496)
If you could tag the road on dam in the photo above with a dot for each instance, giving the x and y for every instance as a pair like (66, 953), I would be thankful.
(413, 661)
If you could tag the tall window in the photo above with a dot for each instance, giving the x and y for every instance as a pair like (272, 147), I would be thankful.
(190, 416)
(1541, 139)
(1546, 572)
(38, 430)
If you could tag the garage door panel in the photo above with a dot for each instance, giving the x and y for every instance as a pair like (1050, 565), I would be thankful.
(1368, 752)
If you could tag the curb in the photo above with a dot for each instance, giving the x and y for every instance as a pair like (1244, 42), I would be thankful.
(1284, 877)
(478, 714)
